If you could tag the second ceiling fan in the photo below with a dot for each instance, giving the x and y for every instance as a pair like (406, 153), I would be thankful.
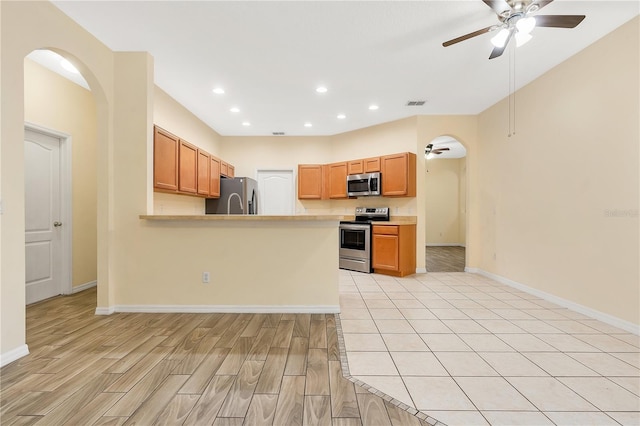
(517, 19)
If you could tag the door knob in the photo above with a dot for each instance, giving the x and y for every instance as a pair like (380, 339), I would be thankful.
(56, 224)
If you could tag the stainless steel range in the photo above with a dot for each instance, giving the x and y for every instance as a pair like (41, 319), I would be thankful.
(355, 238)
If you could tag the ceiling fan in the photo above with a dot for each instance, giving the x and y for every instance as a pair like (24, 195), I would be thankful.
(429, 151)
(518, 19)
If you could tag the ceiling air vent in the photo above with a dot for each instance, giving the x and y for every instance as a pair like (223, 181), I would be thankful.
(278, 133)
(415, 103)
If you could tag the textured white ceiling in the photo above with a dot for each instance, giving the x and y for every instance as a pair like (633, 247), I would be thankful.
(270, 56)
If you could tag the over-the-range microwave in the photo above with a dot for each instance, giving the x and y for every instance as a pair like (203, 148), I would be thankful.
(364, 184)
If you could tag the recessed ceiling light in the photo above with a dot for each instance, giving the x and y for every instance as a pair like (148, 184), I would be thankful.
(69, 66)
(321, 89)
(308, 124)
(373, 107)
(246, 123)
(341, 116)
(235, 109)
(218, 91)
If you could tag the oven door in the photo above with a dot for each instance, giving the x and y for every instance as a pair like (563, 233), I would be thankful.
(355, 241)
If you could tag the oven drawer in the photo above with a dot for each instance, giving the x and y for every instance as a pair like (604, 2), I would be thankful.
(385, 229)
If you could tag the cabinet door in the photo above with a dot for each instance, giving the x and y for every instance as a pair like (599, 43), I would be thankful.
(188, 168)
(214, 183)
(386, 253)
(204, 173)
(309, 181)
(231, 170)
(224, 168)
(338, 180)
(165, 160)
(398, 175)
(355, 167)
(371, 165)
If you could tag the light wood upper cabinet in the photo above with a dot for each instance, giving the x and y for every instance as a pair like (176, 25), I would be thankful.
(394, 249)
(338, 180)
(231, 171)
(355, 167)
(214, 177)
(204, 173)
(371, 164)
(165, 160)
(398, 175)
(310, 178)
(188, 168)
(224, 168)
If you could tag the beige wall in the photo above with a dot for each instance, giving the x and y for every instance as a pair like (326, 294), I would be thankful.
(547, 194)
(444, 202)
(56, 103)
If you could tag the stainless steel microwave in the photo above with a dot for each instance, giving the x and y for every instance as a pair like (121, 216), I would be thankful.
(364, 184)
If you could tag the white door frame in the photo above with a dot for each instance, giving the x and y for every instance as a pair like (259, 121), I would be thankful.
(66, 233)
(293, 182)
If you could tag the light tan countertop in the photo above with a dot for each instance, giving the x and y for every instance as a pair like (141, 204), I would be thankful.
(248, 217)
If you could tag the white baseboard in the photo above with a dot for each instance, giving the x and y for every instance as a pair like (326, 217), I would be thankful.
(584, 310)
(83, 287)
(421, 270)
(105, 311)
(13, 355)
(206, 309)
(444, 245)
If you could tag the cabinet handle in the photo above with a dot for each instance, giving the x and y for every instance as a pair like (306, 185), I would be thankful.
(56, 224)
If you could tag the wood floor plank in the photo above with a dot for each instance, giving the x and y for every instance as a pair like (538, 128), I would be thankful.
(206, 408)
(233, 332)
(194, 358)
(333, 350)
(297, 357)
(317, 373)
(130, 402)
(188, 344)
(129, 379)
(236, 356)
(271, 376)
(92, 411)
(22, 421)
(253, 327)
(317, 411)
(152, 407)
(400, 417)
(261, 410)
(175, 338)
(261, 345)
(110, 421)
(318, 334)
(346, 421)
(133, 357)
(282, 339)
(372, 410)
(205, 371)
(343, 395)
(239, 397)
(272, 320)
(177, 410)
(302, 324)
(229, 421)
(221, 324)
(290, 402)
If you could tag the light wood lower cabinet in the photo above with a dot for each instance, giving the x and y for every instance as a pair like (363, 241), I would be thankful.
(394, 249)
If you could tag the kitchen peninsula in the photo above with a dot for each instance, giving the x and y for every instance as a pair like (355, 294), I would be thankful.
(256, 263)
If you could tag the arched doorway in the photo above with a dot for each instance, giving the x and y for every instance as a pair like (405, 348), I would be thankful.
(445, 212)
(60, 164)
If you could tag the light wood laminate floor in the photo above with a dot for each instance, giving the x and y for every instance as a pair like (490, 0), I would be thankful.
(184, 369)
(444, 258)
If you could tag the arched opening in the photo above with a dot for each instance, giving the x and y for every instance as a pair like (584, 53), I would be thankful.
(446, 205)
(61, 194)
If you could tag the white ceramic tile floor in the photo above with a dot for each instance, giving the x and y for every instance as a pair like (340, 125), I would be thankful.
(467, 350)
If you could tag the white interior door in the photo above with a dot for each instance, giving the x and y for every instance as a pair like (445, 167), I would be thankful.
(43, 236)
(276, 191)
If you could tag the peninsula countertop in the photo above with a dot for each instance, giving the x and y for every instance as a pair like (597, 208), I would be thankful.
(396, 220)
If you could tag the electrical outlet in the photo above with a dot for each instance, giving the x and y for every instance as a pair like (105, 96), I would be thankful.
(206, 277)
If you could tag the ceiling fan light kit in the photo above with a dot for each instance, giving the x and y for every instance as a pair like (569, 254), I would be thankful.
(517, 21)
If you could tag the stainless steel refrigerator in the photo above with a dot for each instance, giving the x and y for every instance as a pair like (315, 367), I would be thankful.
(237, 196)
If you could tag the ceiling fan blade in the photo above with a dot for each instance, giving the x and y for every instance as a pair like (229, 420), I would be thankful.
(498, 6)
(559, 21)
(542, 3)
(497, 51)
(467, 36)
